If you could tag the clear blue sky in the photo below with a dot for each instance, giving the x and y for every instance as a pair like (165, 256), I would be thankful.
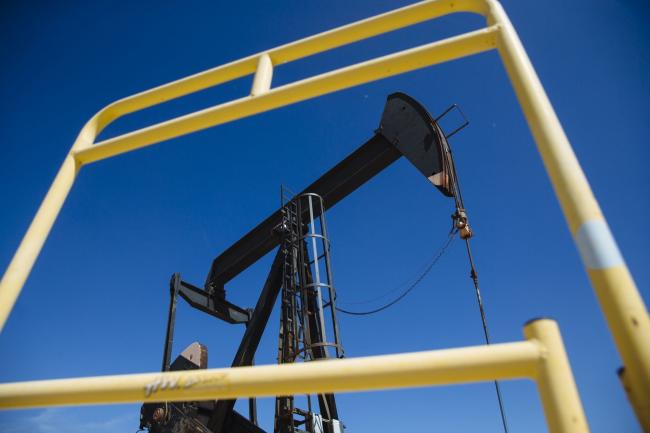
(96, 301)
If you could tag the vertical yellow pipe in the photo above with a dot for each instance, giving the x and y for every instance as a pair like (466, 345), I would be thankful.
(617, 293)
(22, 262)
(557, 388)
(625, 381)
(263, 75)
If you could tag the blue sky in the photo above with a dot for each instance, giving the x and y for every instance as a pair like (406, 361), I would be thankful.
(96, 301)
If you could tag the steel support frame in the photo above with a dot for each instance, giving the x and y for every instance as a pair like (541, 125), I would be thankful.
(252, 336)
(618, 295)
(174, 287)
(541, 357)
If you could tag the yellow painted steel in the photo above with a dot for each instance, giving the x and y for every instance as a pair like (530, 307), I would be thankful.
(443, 367)
(263, 76)
(622, 305)
(620, 300)
(541, 358)
(555, 381)
(630, 326)
(382, 67)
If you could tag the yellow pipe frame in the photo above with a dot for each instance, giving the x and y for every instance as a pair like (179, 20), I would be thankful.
(617, 293)
(541, 358)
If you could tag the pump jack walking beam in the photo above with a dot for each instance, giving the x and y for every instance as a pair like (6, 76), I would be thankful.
(617, 293)
(406, 129)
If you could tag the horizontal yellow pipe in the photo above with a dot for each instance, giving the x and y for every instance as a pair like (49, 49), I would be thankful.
(377, 25)
(441, 367)
(344, 35)
(382, 67)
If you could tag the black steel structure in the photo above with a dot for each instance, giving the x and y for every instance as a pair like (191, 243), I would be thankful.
(300, 275)
(307, 294)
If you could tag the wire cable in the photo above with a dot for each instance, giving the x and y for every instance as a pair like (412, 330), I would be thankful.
(486, 333)
(449, 163)
(409, 289)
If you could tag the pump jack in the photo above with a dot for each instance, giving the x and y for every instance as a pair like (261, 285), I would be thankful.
(301, 274)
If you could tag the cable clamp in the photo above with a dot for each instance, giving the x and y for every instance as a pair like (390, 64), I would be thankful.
(461, 223)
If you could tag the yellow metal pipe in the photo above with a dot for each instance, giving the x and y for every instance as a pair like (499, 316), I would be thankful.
(377, 25)
(629, 323)
(557, 388)
(344, 35)
(382, 67)
(471, 364)
(24, 258)
(620, 300)
(636, 405)
(541, 358)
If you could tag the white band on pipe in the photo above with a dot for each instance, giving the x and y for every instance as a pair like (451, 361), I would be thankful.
(597, 246)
